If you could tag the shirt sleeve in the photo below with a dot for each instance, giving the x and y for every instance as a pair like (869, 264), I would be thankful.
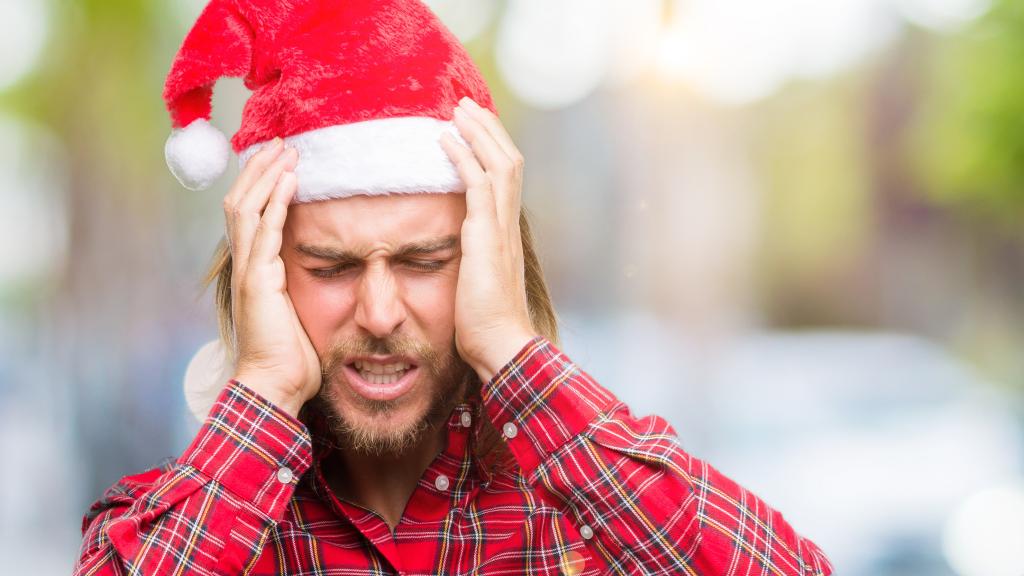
(626, 484)
(210, 511)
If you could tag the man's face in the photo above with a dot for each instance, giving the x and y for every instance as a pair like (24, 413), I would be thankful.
(373, 280)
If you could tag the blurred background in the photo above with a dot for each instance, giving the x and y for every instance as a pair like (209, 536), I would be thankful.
(791, 227)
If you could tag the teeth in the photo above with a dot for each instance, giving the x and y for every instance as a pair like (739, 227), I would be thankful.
(376, 368)
(381, 378)
(379, 374)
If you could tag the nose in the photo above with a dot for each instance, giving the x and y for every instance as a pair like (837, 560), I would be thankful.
(379, 306)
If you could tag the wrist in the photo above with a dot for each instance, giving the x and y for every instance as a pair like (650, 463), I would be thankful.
(271, 391)
(496, 356)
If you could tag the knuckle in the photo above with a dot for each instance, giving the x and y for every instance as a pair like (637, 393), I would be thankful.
(263, 157)
(253, 280)
(266, 224)
(241, 291)
(260, 161)
(505, 168)
(255, 165)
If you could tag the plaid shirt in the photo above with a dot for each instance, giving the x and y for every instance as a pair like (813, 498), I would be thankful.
(596, 491)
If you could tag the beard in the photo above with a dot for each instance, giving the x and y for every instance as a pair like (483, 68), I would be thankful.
(444, 372)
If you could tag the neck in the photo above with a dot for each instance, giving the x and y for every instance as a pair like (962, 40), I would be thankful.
(384, 483)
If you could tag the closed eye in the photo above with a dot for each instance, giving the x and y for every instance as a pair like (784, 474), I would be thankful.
(331, 272)
(425, 265)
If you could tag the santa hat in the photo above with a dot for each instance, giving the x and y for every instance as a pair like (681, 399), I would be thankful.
(363, 89)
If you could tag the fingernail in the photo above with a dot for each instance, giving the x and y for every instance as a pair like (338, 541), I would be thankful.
(469, 103)
(460, 112)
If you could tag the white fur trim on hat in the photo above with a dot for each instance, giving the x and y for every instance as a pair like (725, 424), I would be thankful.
(197, 154)
(207, 374)
(386, 156)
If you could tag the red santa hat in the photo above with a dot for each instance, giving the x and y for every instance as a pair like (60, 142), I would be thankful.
(362, 88)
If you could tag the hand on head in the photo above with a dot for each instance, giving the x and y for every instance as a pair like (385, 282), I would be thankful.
(492, 318)
(275, 356)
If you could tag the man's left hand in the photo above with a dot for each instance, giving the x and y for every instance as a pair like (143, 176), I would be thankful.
(492, 318)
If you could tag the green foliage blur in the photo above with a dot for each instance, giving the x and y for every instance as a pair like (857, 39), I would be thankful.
(968, 146)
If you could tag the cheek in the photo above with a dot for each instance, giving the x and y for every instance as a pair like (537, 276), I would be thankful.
(431, 300)
(321, 307)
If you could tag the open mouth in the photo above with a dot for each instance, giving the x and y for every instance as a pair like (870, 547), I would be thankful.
(381, 381)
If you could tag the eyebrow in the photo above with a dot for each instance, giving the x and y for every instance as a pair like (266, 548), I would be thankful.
(420, 248)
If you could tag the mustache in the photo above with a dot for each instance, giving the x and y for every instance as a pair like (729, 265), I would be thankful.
(340, 351)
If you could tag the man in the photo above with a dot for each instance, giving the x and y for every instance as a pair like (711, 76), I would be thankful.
(396, 401)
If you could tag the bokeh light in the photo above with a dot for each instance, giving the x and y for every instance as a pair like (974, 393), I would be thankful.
(739, 51)
(944, 15)
(33, 223)
(466, 18)
(552, 54)
(985, 535)
(24, 27)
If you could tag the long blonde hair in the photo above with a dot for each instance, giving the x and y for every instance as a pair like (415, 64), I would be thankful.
(489, 448)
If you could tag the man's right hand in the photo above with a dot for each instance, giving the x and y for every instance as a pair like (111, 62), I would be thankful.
(275, 356)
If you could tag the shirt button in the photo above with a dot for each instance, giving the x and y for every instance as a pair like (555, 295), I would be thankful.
(467, 419)
(284, 475)
(509, 430)
(587, 532)
(441, 482)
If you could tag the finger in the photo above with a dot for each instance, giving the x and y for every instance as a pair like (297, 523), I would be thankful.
(493, 158)
(494, 127)
(252, 170)
(267, 243)
(517, 245)
(479, 195)
(248, 209)
(495, 163)
(502, 161)
(256, 198)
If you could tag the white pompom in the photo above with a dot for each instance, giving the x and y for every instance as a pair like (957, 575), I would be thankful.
(197, 154)
(207, 374)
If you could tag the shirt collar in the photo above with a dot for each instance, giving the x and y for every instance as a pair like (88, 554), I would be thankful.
(458, 453)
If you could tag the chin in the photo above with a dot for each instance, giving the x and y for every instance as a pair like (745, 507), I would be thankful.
(378, 427)
(397, 420)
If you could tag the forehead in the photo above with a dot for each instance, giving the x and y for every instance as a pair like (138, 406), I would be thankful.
(375, 221)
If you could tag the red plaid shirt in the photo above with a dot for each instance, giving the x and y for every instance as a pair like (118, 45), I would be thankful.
(596, 491)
